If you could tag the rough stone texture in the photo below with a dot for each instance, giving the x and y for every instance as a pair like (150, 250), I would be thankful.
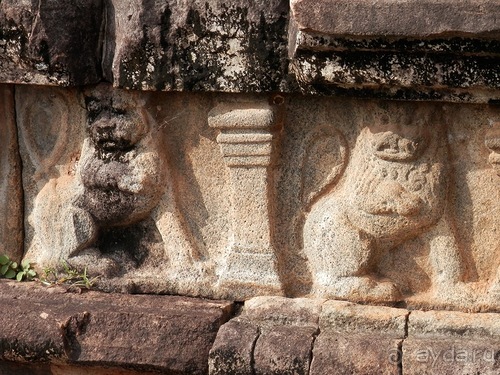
(11, 196)
(420, 76)
(197, 45)
(232, 352)
(412, 50)
(50, 42)
(168, 334)
(284, 350)
(410, 18)
(272, 335)
(206, 195)
(288, 328)
(358, 339)
(245, 140)
(452, 343)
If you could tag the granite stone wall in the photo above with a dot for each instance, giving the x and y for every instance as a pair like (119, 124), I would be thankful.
(334, 155)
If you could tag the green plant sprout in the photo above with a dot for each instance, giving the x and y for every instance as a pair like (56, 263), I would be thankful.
(68, 276)
(12, 270)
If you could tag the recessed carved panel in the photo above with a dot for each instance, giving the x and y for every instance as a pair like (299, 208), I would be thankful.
(235, 196)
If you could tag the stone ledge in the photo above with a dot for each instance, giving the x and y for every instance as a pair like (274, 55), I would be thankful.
(138, 332)
(408, 18)
(48, 331)
(277, 335)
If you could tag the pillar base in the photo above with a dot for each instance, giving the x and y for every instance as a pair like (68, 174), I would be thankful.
(248, 274)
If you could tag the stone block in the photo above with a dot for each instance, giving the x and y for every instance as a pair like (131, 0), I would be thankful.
(411, 50)
(341, 353)
(205, 196)
(342, 316)
(272, 335)
(232, 352)
(442, 342)
(358, 339)
(154, 333)
(197, 45)
(412, 18)
(51, 43)
(452, 355)
(275, 311)
(284, 349)
(11, 196)
(15, 368)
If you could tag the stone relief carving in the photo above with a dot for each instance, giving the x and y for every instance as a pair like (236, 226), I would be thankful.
(492, 142)
(221, 198)
(394, 188)
(246, 144)
(11, 230)
(118, 180)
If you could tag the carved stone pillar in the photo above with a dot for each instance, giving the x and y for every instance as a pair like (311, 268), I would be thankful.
(245, 140)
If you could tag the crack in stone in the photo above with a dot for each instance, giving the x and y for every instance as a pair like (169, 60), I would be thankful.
(315, 336)
(400, 344)
(252, 356)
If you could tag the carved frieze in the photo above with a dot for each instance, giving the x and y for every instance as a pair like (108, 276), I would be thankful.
(371, 201)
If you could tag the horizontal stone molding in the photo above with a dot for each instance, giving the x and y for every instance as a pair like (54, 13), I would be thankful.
(420, 49)
(51, 331)
(408, 18)
(152, 333)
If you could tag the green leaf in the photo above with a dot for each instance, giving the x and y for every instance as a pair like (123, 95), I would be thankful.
(10, 274)
(25, 264)
(13, 265)
(4, 268)
(20, 275)
(4, 259)
(31, 273)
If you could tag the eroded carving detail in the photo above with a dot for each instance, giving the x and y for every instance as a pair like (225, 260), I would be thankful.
(11, 230)
(393, 189)
(246, 144)
(492, 142)
(103, 213)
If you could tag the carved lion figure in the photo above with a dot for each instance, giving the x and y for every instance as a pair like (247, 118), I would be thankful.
(393, 189)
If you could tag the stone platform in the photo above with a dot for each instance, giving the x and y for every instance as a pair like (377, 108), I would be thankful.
(51, 331)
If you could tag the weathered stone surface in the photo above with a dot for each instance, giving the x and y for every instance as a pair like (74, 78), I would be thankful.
(139, 188)
(411, 50)
(99, 193)
(232, 352)
(425, 76)
(273, 311)
(411, 18)
(161, 333)
(15, 368)
(51, 42)
(284, 350)
(197, 45)
(355, 354)
(452, 343)
(288, 328)
(384, 202)
(272, 335)
(11, 198)
(347, 317)
(246, 145)
(358, 339)
(77, 370)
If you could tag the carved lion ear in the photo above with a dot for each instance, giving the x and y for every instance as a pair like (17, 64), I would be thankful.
(324, 157)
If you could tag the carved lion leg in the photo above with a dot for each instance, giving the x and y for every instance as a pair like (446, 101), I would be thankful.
(342, 257)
